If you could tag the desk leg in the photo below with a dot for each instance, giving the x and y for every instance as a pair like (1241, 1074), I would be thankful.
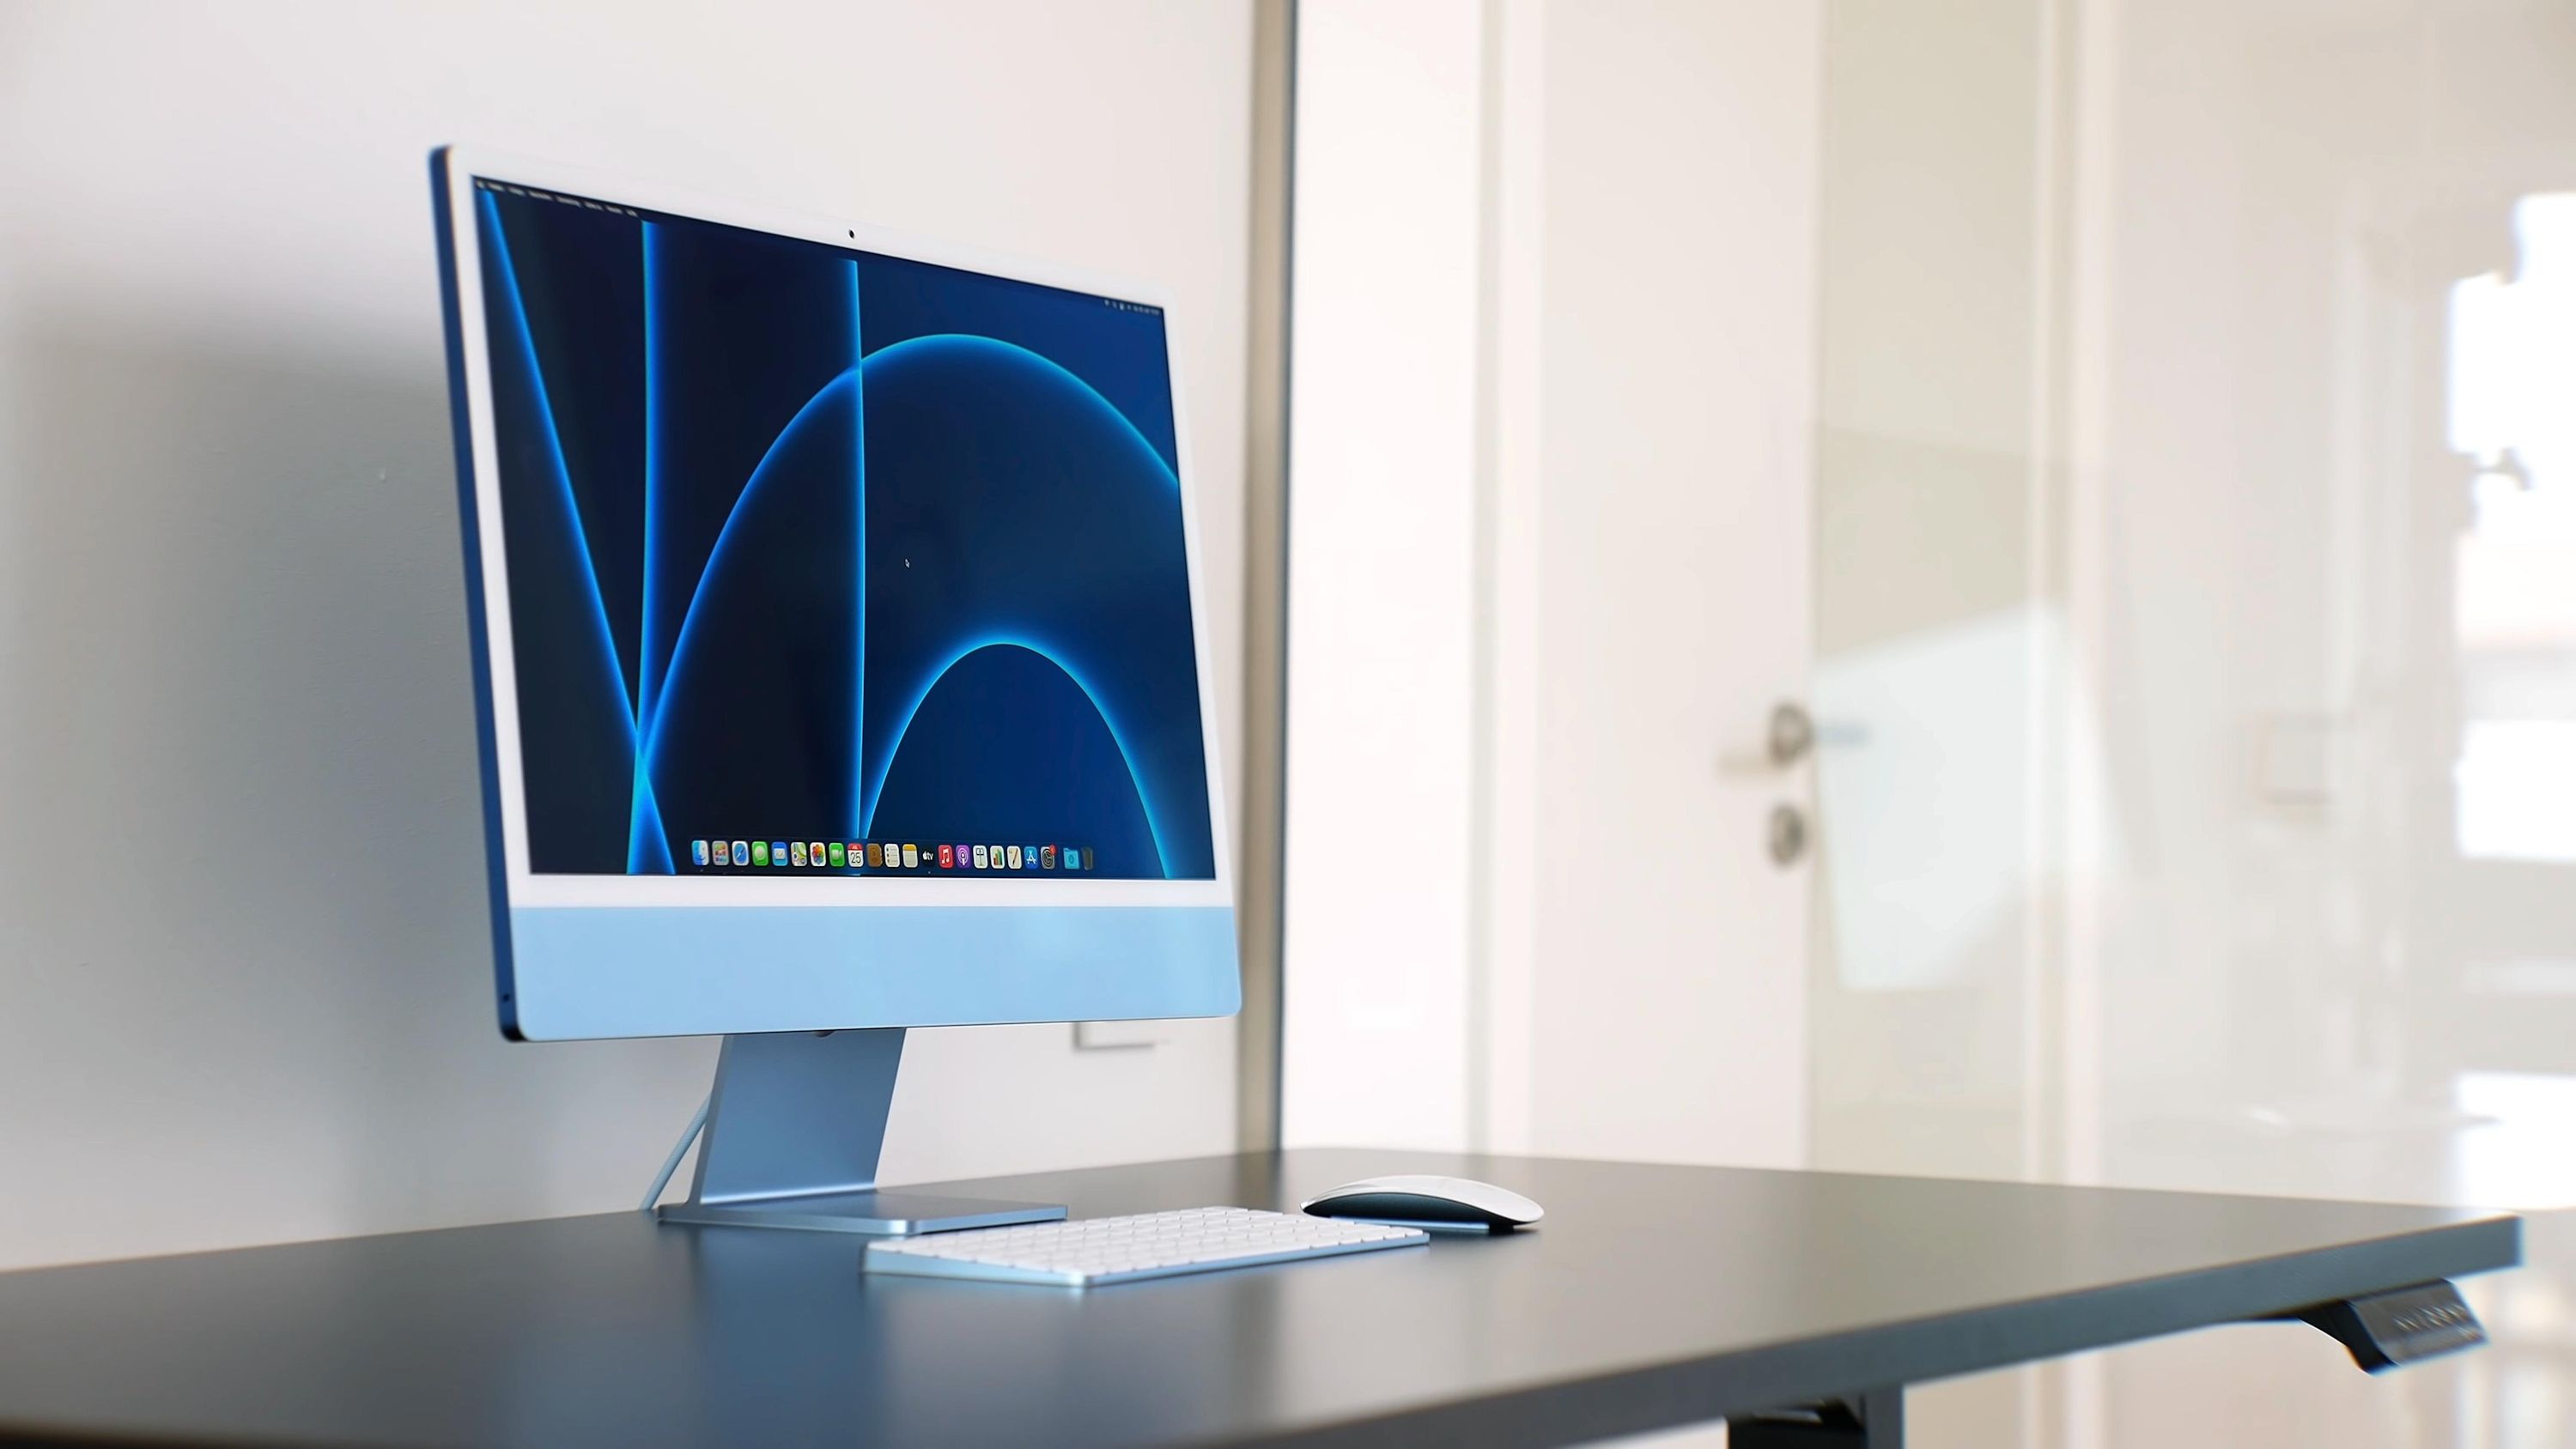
(1875, 1420)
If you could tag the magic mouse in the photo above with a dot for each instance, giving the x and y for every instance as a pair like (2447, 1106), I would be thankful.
(1441, 1204)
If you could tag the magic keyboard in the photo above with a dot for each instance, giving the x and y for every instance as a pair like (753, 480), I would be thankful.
(1090, 1251)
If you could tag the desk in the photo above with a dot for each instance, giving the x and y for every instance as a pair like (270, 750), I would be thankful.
(1651, 1296)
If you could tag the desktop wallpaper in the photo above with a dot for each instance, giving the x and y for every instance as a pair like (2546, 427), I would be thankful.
(863, 564)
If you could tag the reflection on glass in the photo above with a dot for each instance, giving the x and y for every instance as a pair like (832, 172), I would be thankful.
(2512, 375)
(2196, 561)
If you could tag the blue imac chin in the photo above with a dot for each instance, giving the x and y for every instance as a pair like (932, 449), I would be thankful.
(837, 656)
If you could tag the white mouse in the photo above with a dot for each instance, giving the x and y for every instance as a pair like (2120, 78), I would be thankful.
(1440, 1204)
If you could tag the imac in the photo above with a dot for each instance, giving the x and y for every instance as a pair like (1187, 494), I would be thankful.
(839, 652)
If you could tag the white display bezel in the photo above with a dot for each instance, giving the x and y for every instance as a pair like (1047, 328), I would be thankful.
(527, 888)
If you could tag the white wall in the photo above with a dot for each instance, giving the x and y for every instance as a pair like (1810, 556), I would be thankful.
(244, 968)
(1383, 448)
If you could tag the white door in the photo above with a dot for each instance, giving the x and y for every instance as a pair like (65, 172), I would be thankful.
(1658, 557)
(1549, 577)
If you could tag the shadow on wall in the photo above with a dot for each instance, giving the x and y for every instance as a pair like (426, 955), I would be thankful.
(241, 879)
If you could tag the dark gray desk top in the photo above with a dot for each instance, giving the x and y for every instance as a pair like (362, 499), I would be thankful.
(1652, 1296)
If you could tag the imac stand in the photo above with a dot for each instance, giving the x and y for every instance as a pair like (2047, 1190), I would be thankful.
(794, 1128)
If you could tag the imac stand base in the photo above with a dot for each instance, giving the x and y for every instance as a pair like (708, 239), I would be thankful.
(794, 1128)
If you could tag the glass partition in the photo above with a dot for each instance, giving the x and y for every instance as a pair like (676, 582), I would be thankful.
(2196, 616)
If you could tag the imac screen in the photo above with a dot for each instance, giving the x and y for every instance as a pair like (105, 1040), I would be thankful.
(825, 562)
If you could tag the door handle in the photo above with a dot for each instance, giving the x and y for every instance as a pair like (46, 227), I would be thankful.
(1792, 734)
(1789, 736)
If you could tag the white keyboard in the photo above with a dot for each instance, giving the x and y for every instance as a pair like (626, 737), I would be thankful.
(1120, 1250)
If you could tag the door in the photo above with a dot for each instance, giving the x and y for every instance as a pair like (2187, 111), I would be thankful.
(1656, 612)
(1548, 577)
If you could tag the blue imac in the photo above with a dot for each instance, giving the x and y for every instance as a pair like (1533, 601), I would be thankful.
(839, 656)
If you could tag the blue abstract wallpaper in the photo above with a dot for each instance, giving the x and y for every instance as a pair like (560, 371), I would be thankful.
(863, 564)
